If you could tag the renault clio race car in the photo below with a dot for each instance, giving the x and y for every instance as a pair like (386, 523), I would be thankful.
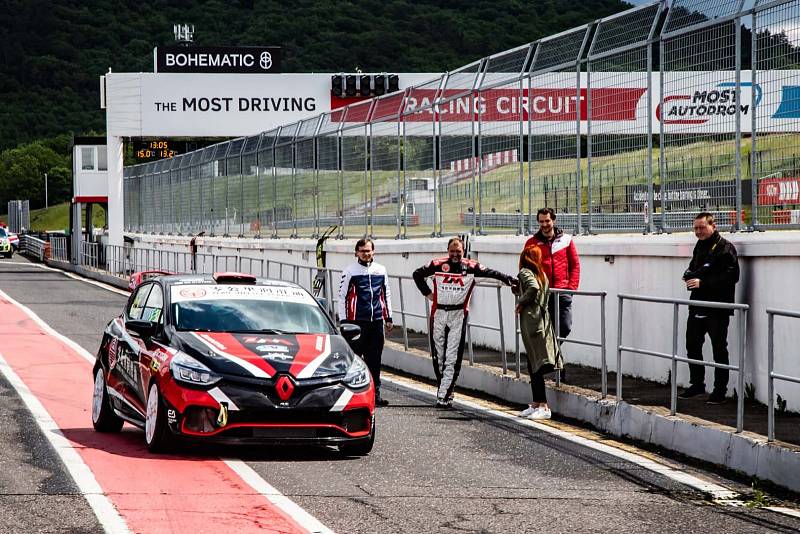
(231, 358)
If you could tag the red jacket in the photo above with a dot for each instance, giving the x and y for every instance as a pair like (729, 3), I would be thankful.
(559, 258)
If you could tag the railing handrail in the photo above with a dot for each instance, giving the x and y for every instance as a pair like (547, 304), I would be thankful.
(771, 374)
(676, 303)
(685, 302)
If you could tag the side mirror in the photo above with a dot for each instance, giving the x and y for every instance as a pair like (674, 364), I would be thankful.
(144, 329)
(350, 332)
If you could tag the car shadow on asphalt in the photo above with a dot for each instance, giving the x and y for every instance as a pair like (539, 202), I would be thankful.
(130, 444)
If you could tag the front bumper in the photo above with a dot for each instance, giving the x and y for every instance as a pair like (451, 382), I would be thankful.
(255, 413)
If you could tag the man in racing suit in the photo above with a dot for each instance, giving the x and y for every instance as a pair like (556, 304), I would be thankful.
(453, 281)
(366, 300)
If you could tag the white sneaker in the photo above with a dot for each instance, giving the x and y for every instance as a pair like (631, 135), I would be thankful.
(527, 411)
(539, 414)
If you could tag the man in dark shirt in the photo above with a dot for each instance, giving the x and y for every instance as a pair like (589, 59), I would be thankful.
(712, 276)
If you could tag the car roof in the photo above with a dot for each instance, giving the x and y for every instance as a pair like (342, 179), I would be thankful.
(207, 279)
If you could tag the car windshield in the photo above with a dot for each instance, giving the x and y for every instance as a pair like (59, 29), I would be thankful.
(264, 309)
(3, 232)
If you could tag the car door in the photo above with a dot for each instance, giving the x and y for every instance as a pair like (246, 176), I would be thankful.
(127, 367)
(152, 351)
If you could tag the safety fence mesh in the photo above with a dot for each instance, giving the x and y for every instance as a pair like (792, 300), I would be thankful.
(635, 122)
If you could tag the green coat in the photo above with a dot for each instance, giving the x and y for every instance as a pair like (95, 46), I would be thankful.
(535, 325)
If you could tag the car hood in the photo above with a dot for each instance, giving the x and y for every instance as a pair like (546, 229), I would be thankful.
(266, 355)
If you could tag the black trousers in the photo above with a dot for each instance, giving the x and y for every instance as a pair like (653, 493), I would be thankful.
(370, 347)
(537, 381)
(716, 326)
(564, 312)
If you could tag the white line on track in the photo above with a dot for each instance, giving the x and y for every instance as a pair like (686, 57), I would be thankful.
(253, 479)
(103, 508)
(716, 491)
(303, 518)
(70, 275)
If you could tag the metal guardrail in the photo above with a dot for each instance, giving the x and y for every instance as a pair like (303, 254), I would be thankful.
(771, 374)
(32, 246)
(676, 303)
(59, 248)
(589, 343)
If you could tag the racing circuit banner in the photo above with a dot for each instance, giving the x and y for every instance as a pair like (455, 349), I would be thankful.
(148, 104)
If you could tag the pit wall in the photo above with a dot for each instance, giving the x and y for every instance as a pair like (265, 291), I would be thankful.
(646, 265)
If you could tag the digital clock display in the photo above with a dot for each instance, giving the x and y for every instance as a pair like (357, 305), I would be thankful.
(144, 150)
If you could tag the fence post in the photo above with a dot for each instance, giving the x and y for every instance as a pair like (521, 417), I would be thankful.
(673, 383)
(753, 123)
(502, 333)
(603, 362)
(770, 380)
(557, 313)
(403, 312)
(738, 135)
(740, 398)
(619, 348)
(516, 336)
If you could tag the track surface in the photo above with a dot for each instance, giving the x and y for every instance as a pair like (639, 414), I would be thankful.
(430, 471)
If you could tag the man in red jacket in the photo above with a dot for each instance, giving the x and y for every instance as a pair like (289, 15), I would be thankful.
(561, 265)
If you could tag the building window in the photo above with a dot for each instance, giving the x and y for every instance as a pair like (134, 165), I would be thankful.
(102, 159)
(87, 158)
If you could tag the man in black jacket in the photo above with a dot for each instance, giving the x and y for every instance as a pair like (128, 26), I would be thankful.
(712, 276)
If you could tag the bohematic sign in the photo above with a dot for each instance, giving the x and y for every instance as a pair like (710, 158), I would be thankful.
(219, 59)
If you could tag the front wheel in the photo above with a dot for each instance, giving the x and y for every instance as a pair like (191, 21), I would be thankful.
(157, 434)
(103, 417)
(359, 448)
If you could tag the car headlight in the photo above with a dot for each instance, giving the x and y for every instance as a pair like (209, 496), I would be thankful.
(357, 376)
(186, 369)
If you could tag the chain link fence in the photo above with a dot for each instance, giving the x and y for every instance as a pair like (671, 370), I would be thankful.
(632, 123)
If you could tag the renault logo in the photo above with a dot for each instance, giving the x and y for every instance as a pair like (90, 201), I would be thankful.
(266, 60)
(284, 387)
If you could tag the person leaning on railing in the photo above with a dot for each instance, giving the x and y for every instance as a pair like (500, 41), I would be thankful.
(537, 329)
(712, 276)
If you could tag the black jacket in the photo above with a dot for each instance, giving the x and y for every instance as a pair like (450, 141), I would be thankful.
(715, 263)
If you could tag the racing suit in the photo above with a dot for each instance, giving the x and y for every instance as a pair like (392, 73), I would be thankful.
(452, 288)
(366, 300)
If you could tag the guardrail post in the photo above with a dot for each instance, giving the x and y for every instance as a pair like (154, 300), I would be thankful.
(516, 336)
(428, 323)
(557, 319)
(740, 399)
(603, 360)
(403, 312)
(673, 383)
(502, 333)
(619, 349)
(770, 380)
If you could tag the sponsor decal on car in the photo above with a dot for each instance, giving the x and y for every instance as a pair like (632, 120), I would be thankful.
(243, 292)
(272, 348)
(278, 356)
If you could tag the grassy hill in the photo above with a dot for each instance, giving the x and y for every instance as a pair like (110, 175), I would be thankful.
(57, 218)
(52, 53)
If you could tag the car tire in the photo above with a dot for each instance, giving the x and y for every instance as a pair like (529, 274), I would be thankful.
(359, 448)
(157, 435)
(103, 417)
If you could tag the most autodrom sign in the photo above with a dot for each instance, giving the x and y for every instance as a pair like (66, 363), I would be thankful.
(234, 105)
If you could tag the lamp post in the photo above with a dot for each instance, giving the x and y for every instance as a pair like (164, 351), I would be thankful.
(45, 190)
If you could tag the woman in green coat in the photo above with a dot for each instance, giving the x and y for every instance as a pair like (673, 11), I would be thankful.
(538, 334)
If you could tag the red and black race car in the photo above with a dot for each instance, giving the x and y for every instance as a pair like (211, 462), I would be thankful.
(232, 358)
